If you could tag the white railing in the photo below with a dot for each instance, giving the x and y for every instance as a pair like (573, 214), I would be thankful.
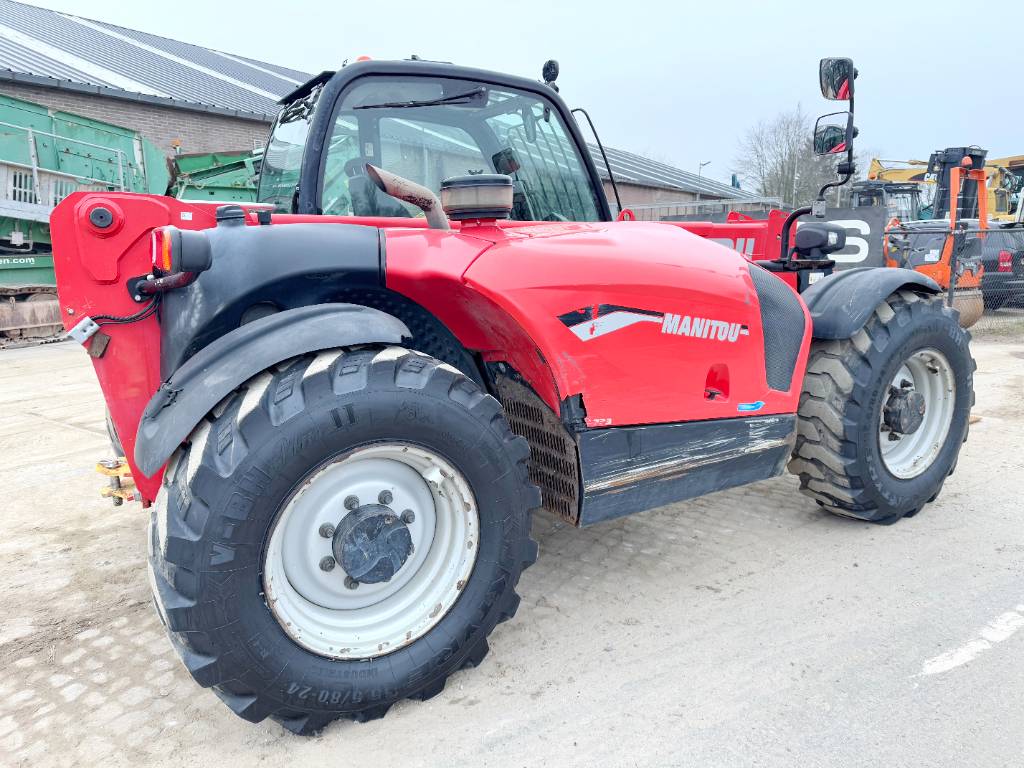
(30, 191)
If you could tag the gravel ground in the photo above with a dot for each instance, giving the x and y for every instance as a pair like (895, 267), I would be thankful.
(743, 629)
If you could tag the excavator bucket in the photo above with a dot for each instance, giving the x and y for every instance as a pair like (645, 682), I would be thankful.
(970, 304)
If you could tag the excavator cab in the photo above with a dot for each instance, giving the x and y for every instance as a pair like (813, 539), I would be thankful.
(902, 200)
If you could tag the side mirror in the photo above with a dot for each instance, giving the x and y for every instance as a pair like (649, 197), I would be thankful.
(833, 133)
(836, 77)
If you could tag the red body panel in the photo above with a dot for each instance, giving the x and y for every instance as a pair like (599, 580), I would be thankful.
(754, 238)
(91, 266)
(636, 374)
(576, 309)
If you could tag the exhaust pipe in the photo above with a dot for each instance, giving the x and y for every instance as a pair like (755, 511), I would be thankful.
(412, 193)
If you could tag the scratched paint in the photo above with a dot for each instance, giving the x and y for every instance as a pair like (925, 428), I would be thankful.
(762, 436)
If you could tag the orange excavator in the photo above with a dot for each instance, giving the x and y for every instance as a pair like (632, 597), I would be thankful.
(949, 250)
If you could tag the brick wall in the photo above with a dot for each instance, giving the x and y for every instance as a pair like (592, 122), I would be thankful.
(197, 131)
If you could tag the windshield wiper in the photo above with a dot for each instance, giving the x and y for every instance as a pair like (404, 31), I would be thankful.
(455, 98)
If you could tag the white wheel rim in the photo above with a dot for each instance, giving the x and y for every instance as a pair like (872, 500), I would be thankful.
(930, 374)
(316, 608)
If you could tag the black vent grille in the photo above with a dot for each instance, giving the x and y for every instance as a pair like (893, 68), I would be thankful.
(782, 323)
(553, 462)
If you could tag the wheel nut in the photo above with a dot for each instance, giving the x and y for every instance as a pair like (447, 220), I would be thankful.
(408, 516)
(327, 530)
(351, 502)
(327, 563)
(351, 583)
(385, 497)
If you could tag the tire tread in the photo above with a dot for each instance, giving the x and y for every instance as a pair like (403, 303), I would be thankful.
(834, 397)
(278, 394)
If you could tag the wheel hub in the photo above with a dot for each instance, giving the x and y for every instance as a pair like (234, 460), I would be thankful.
(904, 411)
(372, 550)
(372, 543)
(917, 413)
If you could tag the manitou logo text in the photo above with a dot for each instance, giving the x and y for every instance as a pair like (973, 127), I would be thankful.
(702, 327)
(599, 320)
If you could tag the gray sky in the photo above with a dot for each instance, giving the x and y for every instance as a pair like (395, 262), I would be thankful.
(679, 83)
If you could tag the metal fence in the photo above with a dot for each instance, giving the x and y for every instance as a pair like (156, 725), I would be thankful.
(1002, 285)
(704, 210)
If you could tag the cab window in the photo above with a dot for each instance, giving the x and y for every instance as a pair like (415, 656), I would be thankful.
(429, 129)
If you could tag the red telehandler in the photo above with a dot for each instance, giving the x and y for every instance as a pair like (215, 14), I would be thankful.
(342, 407)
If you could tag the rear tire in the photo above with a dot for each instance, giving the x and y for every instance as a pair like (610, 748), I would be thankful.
(263, 447)
(838, 454)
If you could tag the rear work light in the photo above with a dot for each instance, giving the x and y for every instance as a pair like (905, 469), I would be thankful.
(1005, 262)
(163, 240)
(177, 250)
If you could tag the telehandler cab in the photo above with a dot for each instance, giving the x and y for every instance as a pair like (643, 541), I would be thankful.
(342, 407)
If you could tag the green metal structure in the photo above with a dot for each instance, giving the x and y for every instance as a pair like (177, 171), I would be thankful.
(223, 177)
(45, 155)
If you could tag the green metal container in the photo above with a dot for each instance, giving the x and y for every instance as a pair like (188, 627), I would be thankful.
(224, 177)
(45, 155)
(29, 270)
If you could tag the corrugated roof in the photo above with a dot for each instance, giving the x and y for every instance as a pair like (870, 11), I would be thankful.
(18, 58)
(636, 169)
(48, 44)
(233, 67)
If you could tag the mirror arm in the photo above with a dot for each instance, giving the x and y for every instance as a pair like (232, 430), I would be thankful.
(845, 169)
(821, 192)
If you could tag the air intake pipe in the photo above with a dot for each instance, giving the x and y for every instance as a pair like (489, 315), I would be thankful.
(410, 192)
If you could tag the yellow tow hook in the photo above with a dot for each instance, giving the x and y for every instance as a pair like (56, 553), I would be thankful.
(121, 487)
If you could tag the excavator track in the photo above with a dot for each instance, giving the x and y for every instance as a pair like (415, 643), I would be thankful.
(29, 313)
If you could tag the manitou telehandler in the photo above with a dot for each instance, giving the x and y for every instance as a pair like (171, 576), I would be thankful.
(342, 411)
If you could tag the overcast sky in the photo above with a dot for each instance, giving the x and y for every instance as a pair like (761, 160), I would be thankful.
(675, 81)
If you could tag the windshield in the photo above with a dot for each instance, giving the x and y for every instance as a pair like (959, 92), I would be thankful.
(902, 204)
(283, 156)
(429, 129)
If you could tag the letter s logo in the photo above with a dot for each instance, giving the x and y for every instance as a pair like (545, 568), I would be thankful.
(860, 245)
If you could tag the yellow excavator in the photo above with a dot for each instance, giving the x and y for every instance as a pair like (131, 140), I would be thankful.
(1005, 184)
(907, 187)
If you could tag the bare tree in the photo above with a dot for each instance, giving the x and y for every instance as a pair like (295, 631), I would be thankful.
(776, 158)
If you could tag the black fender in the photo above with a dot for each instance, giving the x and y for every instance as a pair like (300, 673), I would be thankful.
(841, 303)
(274, 267)
(211, 374)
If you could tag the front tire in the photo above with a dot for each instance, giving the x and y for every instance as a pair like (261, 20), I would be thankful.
(853, 455)
(276, 636)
